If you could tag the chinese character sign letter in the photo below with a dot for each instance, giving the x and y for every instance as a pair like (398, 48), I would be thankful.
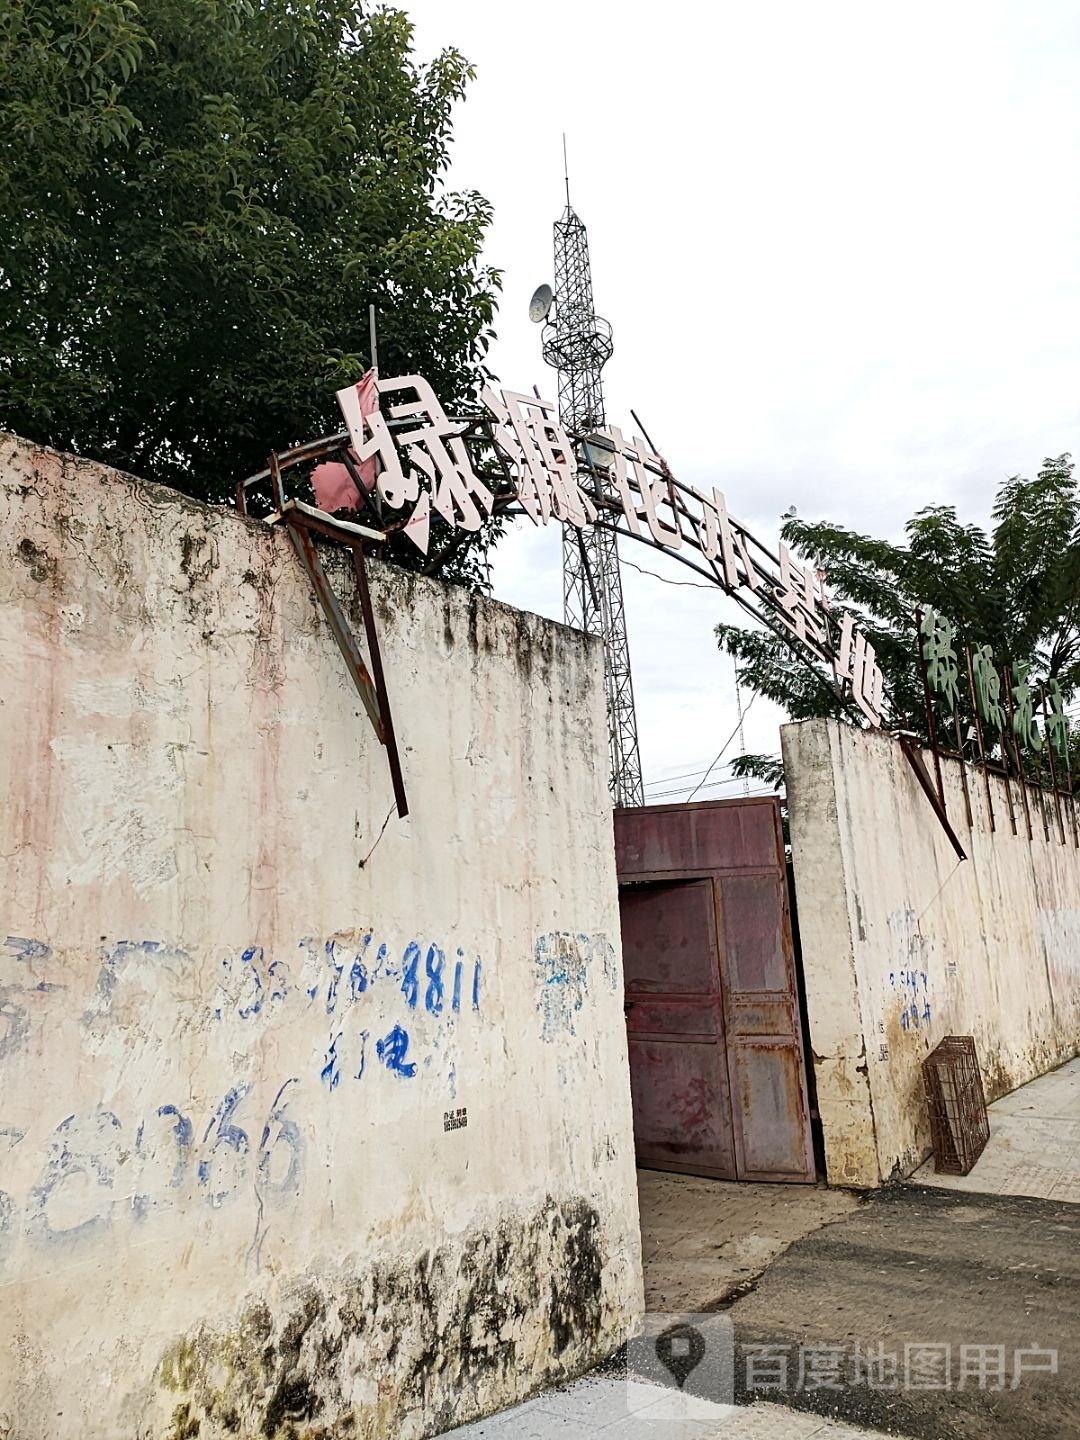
(987, 687)
(856, 663)
(432, 448)
(941, 664)
(530, 437)
(1057, 722)
(1025, 725)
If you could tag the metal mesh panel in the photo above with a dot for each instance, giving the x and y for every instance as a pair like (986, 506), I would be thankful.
(959, 1125)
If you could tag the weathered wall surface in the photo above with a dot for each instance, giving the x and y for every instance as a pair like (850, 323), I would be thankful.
(307, 1127)
(903, 944)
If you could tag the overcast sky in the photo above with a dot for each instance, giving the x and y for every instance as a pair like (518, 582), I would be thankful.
(838, 246)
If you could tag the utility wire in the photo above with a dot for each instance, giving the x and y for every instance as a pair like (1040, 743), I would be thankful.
(697, 585)
(683, 775)
(723, 747)
(742, 732)
(712, 785)
(693, 584)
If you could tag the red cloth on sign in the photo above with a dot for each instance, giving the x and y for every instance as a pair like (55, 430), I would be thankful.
(334, 487)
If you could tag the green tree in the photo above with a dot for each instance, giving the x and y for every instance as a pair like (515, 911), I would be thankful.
(1014, 587)
(198, 201)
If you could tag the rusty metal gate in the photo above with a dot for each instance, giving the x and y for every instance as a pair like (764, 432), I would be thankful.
(713, 1019)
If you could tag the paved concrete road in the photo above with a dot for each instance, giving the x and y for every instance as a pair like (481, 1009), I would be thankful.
(921, 1267)
(1034, 1145)
(615, 1410)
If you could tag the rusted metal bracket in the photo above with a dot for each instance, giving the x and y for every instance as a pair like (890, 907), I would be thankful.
(914, 758)
(302, 521)
(388, 737)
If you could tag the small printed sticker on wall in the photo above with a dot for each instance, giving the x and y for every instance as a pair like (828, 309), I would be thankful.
(883, 1052)
(455, 1119)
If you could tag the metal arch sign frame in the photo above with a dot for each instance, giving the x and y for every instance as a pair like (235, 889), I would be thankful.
(401, 458)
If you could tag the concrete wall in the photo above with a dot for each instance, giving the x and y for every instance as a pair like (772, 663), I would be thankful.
(307, 1127)
(903, 943)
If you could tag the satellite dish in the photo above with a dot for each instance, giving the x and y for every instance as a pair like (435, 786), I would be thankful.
(540, 303)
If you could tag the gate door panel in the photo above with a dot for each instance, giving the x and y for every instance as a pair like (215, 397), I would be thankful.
(679, 1073)
(716, 1059)
(765, 1058)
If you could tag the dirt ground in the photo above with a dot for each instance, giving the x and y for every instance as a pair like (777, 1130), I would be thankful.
(967, 1279)
(704, 1241)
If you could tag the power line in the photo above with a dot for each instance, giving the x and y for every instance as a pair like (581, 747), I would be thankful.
(683, 775)
(723, 747)
(712, 785)
(742, 732)
(693, 584)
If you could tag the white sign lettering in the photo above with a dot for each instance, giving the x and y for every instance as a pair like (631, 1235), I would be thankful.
(424, 463)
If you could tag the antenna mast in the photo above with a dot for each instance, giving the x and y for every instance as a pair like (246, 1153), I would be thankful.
(577, 343)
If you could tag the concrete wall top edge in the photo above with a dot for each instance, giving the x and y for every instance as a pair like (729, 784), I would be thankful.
(82, 471)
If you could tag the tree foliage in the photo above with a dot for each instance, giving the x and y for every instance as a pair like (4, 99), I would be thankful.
(198, 201)
(1015, 587)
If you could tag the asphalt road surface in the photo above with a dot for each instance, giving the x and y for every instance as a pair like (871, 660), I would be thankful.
(925, 1313)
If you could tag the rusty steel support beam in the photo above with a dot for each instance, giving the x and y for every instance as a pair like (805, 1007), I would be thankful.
(913, 755)
(339, 625)
(1008, 792)
(1016, 753)
(1053, 767)
(1072, 798)
(979, 738)
(301, 526)
(277, 490)
(963, 766)
(389, 739)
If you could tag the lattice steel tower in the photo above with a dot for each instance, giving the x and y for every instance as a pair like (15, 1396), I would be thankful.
(577, 343)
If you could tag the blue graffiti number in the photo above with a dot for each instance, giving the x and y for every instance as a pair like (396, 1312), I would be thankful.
(433, 999)
(410, 966)
(181, 1131)
(230, 1144)
(280, 1132)
(87, 1146)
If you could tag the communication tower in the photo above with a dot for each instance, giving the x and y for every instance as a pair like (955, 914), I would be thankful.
(577, 344)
